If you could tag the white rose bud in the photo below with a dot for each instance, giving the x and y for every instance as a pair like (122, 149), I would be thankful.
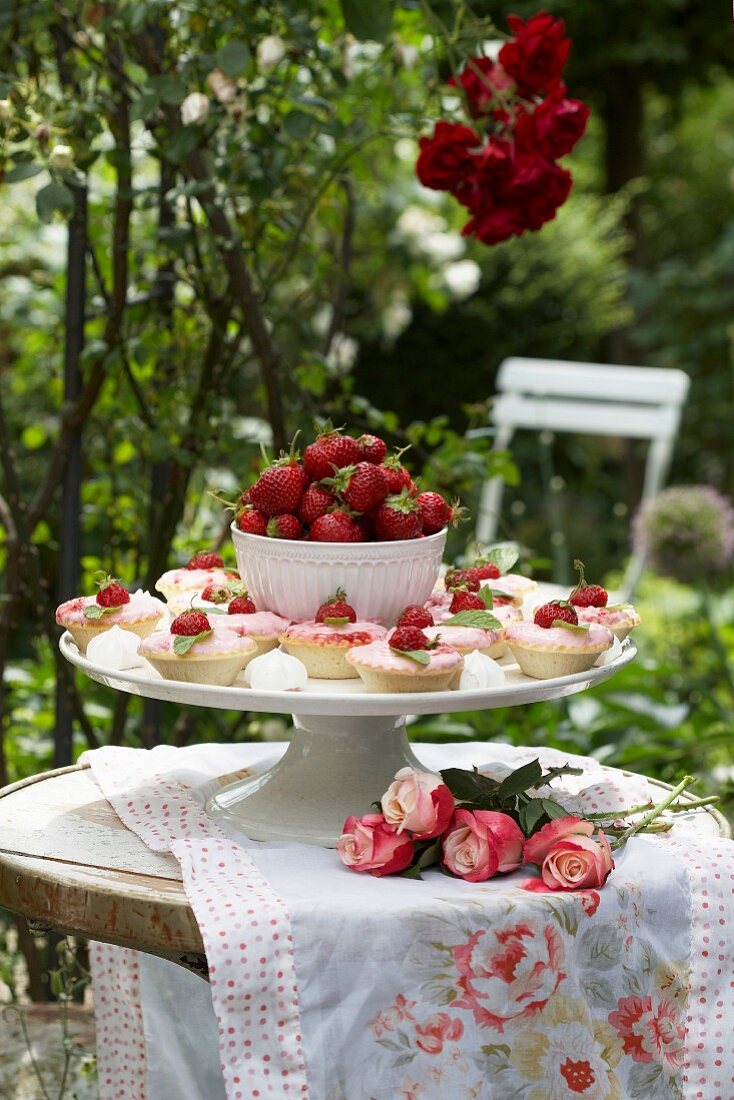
(6, 109)
(194, 108)
(61, 156)
(222, 86)
(270, 52)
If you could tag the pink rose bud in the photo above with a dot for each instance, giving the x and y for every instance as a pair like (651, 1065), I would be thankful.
(539, 844)
(479, 844)
(577, 863)
(418, 801)
(371, 844)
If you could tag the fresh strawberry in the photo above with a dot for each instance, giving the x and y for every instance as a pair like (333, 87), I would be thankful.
(205, 559)
(362, 486)
(435, 512)
(279, 489)
(407, 638)
(190, 623)
(397, 517)
(315, 502)
(461, 578)
(111, 593)
(216, 593)
(336, 608)
(372, 449)
(336, 526)
(587, 595)
(331, 449)
(398, 478)
(463, 600)
(241, 605)
(556, 609)
(487, 572)
(415, 615)
(284, 527)
(252, 522)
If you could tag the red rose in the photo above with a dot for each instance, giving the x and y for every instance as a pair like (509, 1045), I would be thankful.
(445, 158)
(539, 187)
(480, 78)
(554, 127)
(495, 224)
(536, 56)
(491, 170)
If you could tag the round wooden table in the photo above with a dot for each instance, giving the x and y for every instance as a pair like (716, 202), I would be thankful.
(68, 864)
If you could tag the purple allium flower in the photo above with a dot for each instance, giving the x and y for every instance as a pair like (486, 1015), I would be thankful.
(686, 532)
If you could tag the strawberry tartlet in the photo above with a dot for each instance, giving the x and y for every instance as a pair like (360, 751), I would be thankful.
(84, 617)
(620, 619)
(545, 652)
(468, 638)
(203, 570)
(324, 648)
(207, 657)
(264, 627)
(384, 669)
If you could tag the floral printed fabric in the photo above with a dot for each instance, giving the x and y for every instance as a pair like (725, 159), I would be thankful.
(446, 990)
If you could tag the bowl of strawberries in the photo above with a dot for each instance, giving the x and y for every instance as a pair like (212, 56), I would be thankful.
(344, 515)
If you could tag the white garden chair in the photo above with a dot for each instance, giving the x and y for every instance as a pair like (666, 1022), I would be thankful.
(547, 395)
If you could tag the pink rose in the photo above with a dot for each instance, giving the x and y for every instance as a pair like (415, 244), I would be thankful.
(480, 844)
(418, 801)
(437, 1030)
(539, 844)
(577, 863)
(370, 844)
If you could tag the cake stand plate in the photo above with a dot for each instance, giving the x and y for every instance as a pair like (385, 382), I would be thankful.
(347, 744)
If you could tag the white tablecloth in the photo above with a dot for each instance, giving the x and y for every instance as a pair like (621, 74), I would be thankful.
(335, 986)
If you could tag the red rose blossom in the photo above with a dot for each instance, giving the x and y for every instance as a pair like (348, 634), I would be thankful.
(480, 79)
(536, 56)
(445, 157)
(539, 187)
(554, 127)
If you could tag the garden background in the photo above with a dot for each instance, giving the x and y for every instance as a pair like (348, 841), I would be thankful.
(175, 292)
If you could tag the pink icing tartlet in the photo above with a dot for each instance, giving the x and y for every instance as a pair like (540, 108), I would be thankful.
(140, 615)
(545, 652)
(215, 659)
(468, 638)
(264, 627)
(620, 620)
(176, 582)
(323, 648)
(382, 669)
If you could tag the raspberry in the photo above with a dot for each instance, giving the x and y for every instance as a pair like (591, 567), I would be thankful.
(336, 608)
(205, 559)
(463, 600)
(587, 595)
(415, 615)
(407, 638)
(557, 609)
(241, 605)
(190, 623)
(112, 594)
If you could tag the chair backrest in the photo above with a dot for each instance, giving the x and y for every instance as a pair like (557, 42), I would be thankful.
(589, 399)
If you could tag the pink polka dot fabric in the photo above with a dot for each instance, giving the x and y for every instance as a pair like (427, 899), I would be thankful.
(244, 925)
(119, 1016)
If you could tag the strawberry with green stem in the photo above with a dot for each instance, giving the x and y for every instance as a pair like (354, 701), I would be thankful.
(336, 611)
(587, 595)
(111, 596)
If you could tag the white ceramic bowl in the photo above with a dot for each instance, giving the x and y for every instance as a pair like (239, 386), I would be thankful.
(293, 578)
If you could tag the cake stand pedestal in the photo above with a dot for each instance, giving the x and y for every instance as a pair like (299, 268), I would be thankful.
(347, 744)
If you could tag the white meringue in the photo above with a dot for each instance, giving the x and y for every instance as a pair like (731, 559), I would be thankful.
(115, 648)
(276, 671)
(480, 672)
(610, 654)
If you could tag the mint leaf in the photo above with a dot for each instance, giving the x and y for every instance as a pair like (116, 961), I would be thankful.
(504, 557)
(94, 611)
(183, 642)
(499, 594)
(573, 627)
(420, 656)
(483, 620)
(485, 595)
(336, 621)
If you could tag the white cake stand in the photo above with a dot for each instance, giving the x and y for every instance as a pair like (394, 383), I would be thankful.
(346, 746)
